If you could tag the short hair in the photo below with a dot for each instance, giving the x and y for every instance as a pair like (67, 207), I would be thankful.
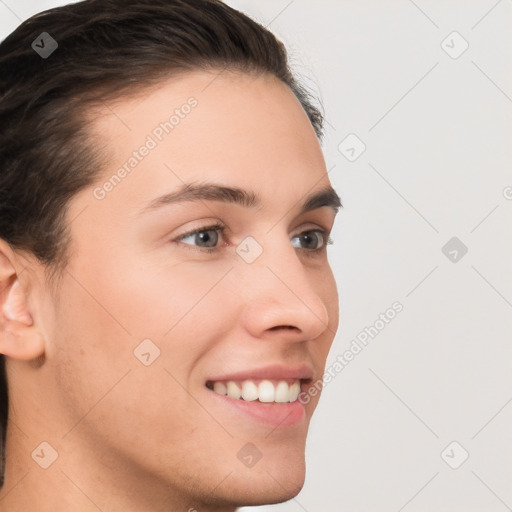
(106, 49)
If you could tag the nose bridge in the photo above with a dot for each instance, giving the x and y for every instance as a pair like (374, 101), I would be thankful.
(279, 293)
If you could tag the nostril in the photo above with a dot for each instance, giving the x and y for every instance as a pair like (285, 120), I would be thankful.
(282, 327)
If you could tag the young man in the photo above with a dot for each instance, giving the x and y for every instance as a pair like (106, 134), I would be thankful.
(166, 298)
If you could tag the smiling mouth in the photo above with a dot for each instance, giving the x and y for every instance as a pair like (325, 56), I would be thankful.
(261, 390)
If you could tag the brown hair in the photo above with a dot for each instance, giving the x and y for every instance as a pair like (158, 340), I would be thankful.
(106, 49)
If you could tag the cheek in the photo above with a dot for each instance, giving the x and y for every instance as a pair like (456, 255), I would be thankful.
(151, 295)
(110, 397)
(89, 349)
(109, 321)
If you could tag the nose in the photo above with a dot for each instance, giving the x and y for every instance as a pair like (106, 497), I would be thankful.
(280, 299)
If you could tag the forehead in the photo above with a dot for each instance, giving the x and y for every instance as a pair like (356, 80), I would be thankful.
(232, 127)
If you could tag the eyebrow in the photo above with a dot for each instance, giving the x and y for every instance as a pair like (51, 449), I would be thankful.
(213, 192)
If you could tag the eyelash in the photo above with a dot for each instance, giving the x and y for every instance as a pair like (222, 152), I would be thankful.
(222, 229)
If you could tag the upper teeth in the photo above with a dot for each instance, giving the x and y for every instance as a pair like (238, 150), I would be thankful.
(265, 391)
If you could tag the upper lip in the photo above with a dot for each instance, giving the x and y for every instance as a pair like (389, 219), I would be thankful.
(271, 372)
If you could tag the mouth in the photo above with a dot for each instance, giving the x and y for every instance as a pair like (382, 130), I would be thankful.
(260, 390)
(269, 395)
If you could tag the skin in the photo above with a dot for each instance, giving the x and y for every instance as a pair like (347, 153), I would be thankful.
(132, 437)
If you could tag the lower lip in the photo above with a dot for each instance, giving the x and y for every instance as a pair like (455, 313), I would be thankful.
(277, 415)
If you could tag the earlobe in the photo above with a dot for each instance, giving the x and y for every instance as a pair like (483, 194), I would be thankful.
(19, 337)
(21, 342)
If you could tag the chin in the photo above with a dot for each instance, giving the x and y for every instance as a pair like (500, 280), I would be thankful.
(273, 482)
(265, 491)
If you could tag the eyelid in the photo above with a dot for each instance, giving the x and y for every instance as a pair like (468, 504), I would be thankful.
(209, 227)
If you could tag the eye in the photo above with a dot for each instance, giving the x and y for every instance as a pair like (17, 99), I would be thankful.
(206, 239)
(314, 240)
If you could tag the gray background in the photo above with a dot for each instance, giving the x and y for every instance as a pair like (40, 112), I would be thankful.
(438, 131)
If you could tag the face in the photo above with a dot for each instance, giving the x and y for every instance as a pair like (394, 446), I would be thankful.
(168, 303)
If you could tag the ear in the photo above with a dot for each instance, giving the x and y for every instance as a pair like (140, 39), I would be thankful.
(19, 337)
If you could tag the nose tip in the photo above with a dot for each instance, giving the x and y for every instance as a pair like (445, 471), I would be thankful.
(293, 309)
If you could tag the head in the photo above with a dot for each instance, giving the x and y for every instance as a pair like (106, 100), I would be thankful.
(165, 211)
